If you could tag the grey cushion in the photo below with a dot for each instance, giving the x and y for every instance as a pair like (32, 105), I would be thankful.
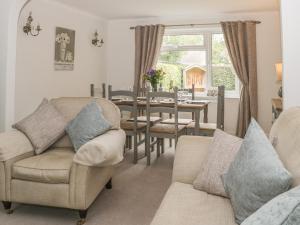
(221, 154)
(43, 127)
(256, 175)
(282, 210)
(88, 124)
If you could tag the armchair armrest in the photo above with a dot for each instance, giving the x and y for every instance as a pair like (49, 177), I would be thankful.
(191, 151)
(105, 150)
(12, 144)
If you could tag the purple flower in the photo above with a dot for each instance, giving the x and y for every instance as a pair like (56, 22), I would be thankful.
(151, 72)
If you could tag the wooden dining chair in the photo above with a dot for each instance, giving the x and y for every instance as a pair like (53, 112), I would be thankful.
(208, 129)
(160, 131)
(141, 117)
(98, 92)
(182, 121)
(132, 127)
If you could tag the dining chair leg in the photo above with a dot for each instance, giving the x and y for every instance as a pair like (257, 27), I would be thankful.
(162, 146)
(148, 150)
(170, 142)
(152, 146)
(158, 147)
(135, 149)
(130, 142)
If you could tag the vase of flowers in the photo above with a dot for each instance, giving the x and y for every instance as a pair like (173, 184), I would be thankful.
(154, 77)
(63, 39)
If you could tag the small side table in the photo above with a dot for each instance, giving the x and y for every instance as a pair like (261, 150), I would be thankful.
(276, 108)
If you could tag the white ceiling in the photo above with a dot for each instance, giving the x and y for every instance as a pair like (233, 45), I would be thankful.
(119, 9)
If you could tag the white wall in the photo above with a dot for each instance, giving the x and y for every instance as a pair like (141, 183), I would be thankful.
(290, 18)
(35, 74)
(4, 18)
(120, 59)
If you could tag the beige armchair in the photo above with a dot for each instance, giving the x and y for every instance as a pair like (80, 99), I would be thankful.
(57, 177)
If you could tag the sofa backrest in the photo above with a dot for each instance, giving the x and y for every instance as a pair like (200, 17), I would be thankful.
(71, 106)
(285, 135)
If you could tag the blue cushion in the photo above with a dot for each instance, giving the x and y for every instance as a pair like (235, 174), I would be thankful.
(256, 175)
(88, 124)
(282, 210)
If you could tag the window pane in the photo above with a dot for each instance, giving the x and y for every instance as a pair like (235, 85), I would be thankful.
(187, 58)
(175, 63)
(222, 71)
(223, 75)
(182, 40)
(219, 50)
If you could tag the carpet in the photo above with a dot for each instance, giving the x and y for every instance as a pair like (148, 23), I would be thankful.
(136, 194)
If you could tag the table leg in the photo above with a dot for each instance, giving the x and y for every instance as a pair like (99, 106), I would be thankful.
(205, 118)
(197, 122)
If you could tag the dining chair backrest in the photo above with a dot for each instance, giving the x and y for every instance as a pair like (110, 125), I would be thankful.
(142, 92)
(220, 107)
(128, 106)
(189, 90)
(170, 107)
(98, 92)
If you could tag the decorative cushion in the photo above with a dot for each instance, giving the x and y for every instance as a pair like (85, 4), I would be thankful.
(180, 121)
(165, 128)
(43, 127)
(282, 210)
(52, 167)
(256, 175)
(88, 124)
(221, 153)
(129, 125)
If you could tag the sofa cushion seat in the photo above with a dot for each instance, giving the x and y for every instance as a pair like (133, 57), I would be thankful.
(52, 167)
(183, 204)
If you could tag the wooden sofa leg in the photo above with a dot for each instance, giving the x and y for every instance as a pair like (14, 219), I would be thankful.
(7, 207)
(109, 184)
(82, 215)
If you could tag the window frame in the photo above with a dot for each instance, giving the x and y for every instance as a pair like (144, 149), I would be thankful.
(207, 33)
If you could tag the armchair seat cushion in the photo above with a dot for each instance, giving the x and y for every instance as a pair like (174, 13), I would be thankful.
(52, 167)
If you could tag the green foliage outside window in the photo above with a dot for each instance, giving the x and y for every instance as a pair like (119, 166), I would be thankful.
(173, 64)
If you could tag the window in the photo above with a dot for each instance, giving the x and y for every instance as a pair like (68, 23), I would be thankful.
(199, 57)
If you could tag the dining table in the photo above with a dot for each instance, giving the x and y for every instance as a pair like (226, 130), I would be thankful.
(193, 106)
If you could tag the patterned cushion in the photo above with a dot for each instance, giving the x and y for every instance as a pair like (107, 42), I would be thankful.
(222, 152)
(256, 175)
(43, 127)
(88, 124)
(282, 210)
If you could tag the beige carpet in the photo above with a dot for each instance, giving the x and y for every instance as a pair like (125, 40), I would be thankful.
(136, 194)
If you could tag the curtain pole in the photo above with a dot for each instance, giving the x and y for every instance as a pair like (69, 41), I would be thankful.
(195, 24)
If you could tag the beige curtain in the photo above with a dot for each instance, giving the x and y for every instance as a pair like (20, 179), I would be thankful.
(240, 38)
(148, 41)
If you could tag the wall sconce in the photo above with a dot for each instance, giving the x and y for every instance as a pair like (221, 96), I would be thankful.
(96, 41)
(29, 29)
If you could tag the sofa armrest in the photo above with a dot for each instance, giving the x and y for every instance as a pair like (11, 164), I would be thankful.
(12, 144)
(105, 150)
(86, 183)
(191, 151)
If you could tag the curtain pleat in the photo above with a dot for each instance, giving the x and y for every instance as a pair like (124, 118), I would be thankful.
(148, 41)
(240, 38)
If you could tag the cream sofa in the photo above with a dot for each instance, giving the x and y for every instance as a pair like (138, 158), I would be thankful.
(55, 178)
(183, 205)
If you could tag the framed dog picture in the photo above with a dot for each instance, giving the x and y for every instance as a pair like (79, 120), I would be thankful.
(64, 49)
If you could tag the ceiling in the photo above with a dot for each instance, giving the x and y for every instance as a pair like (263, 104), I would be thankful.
(121, 9)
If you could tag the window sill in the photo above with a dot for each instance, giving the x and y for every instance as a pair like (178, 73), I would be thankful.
(212, 98)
